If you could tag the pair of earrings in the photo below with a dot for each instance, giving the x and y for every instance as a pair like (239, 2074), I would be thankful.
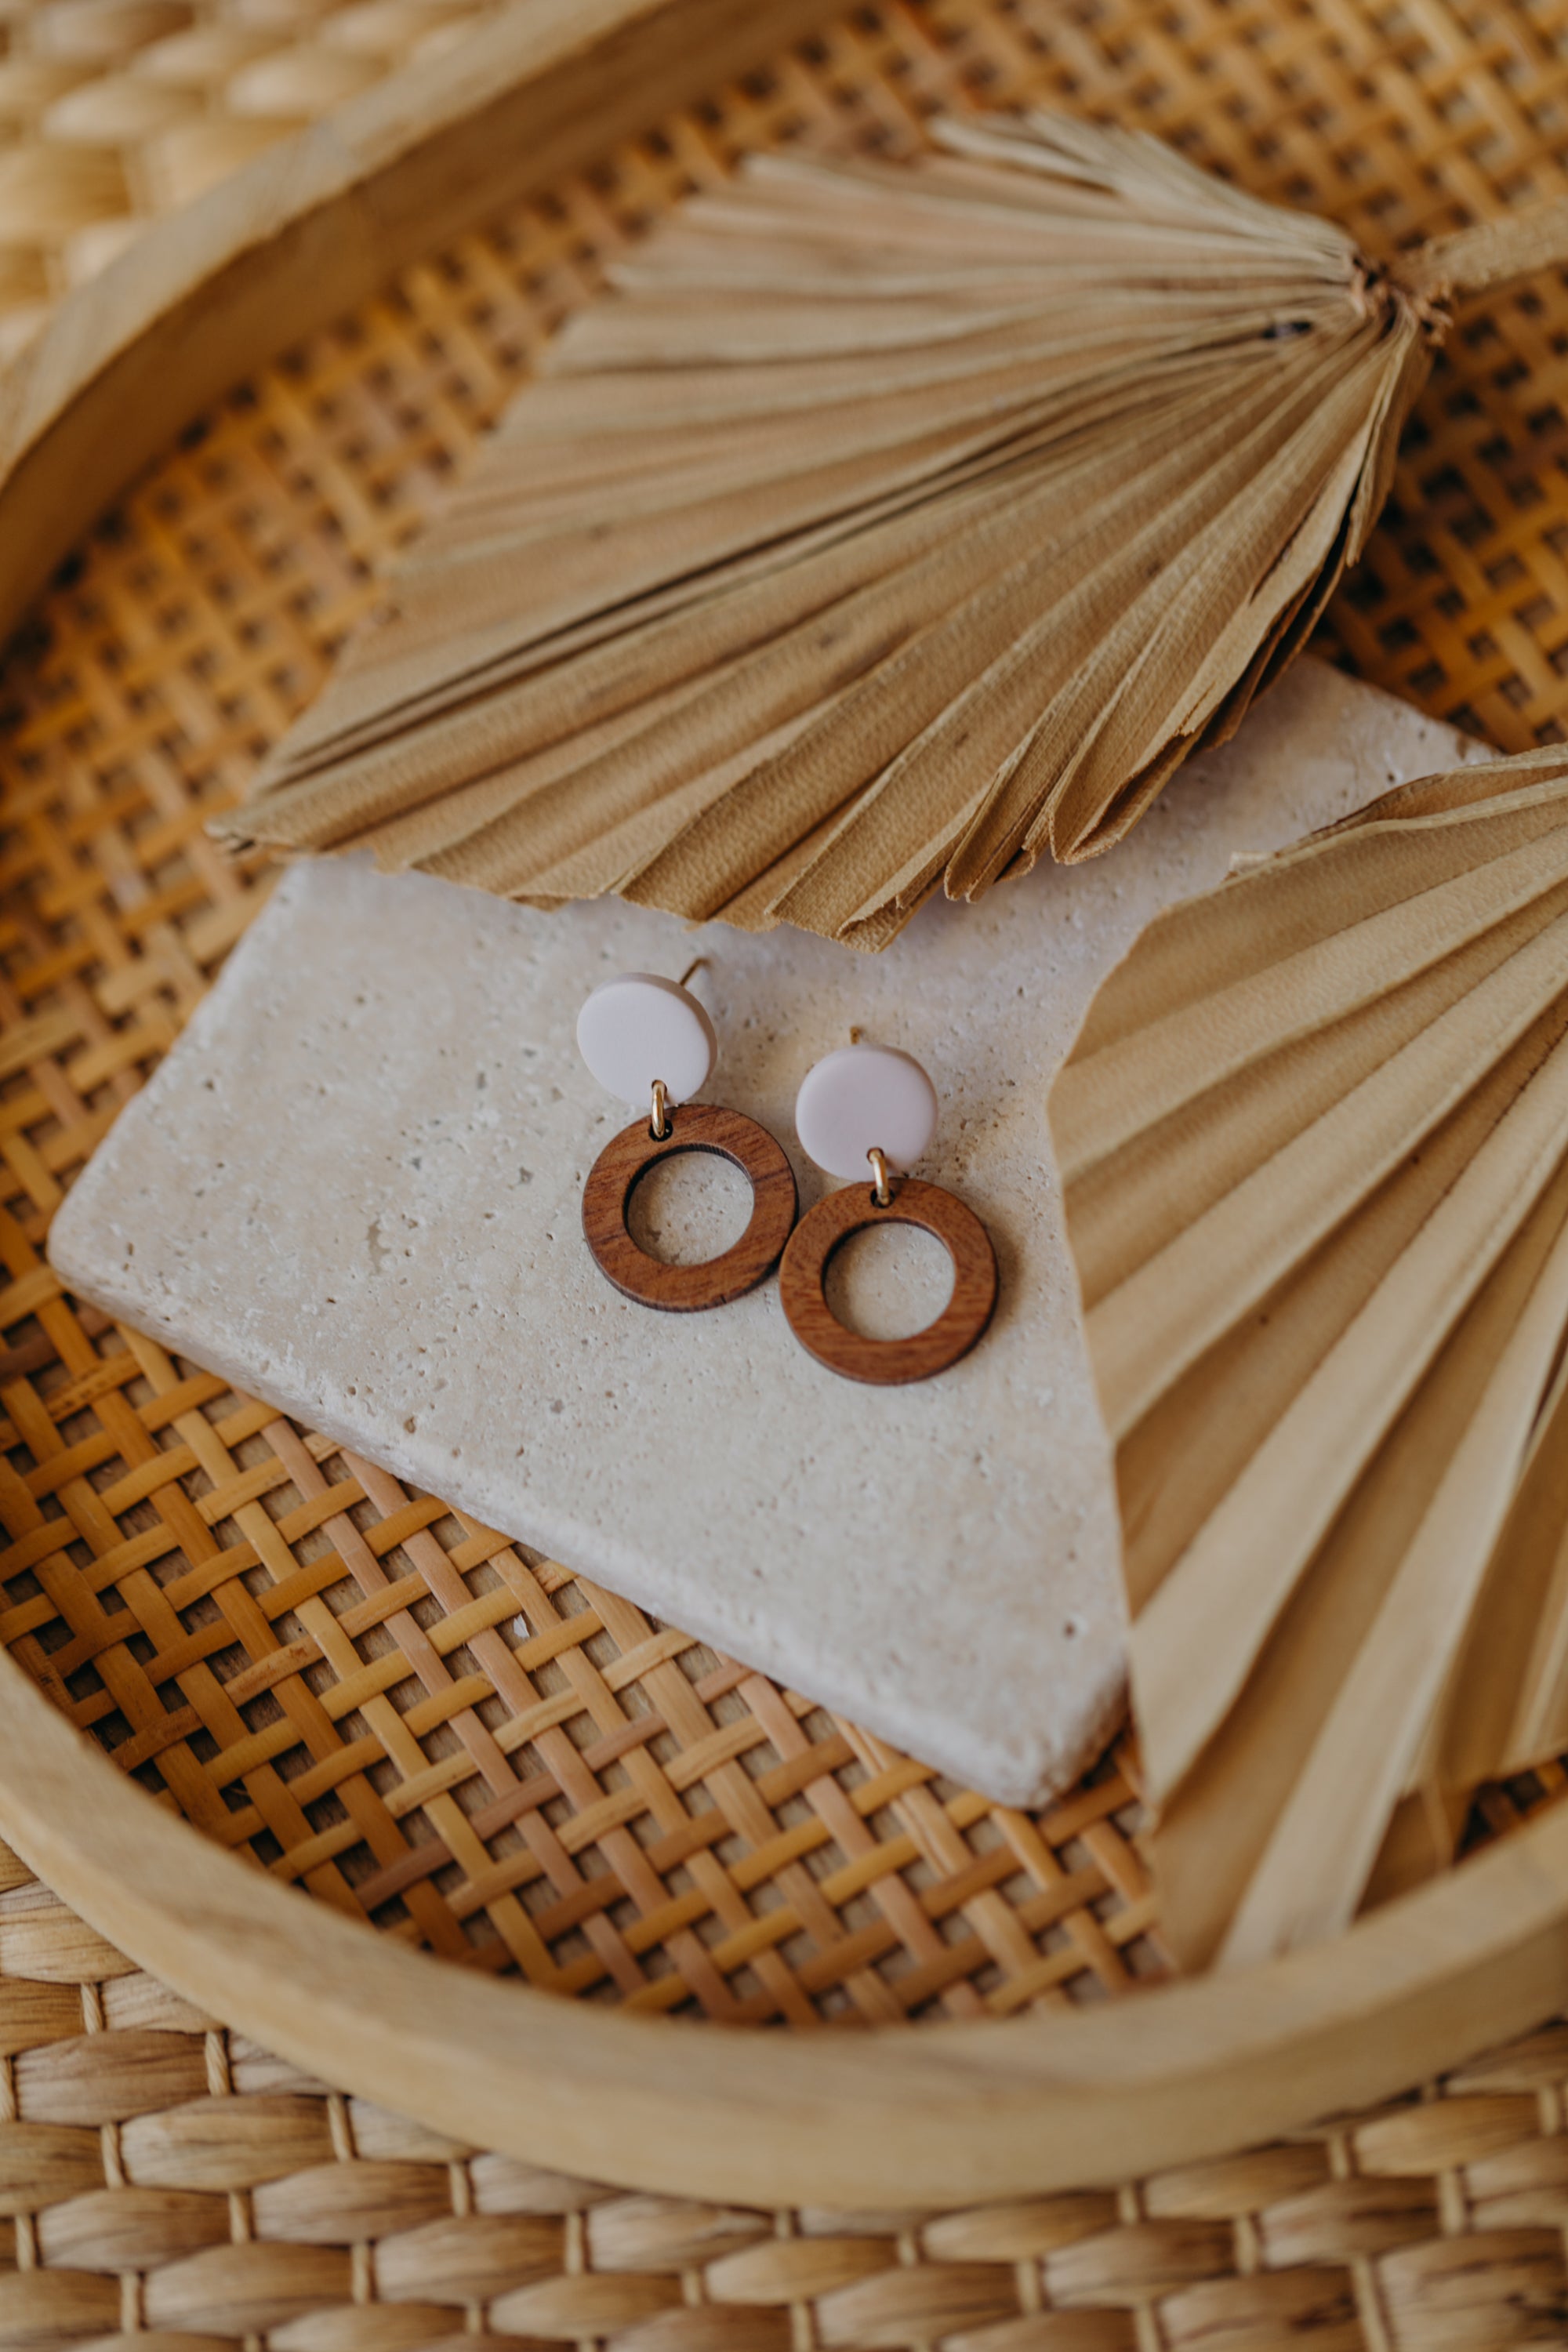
(863, 1108)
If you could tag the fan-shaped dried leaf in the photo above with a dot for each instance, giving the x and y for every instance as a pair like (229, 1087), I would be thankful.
(887, 527)
(1313, 1140)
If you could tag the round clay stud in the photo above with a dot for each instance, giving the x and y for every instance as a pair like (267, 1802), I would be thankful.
(636, 1028)
(864, 1099)
(686, 1289)
(887, 1362)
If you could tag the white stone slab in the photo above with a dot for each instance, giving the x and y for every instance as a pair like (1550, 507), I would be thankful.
(353, 1190)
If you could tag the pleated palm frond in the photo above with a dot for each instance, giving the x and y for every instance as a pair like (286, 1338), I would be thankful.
(1313, 1140)
(889, 526)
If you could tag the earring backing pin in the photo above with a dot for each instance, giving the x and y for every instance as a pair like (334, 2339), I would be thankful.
(658, 1120)
(881, 1191)
(700, 964)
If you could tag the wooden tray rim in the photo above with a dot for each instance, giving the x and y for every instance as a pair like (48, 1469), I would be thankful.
(930, 2116)
(213, 291)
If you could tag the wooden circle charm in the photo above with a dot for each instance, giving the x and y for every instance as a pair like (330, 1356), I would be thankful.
(887, 1362)
(622, 1165)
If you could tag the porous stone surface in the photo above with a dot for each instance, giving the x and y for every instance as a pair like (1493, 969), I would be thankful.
(353, 1189)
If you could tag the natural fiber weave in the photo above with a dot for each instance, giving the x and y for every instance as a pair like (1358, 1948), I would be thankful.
(307, 1662)
(305, 1659)
(213, 1586)
(112, 111)
(169, 2187)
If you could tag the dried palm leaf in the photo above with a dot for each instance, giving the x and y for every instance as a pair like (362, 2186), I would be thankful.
(1313, 1141)
(891, 526)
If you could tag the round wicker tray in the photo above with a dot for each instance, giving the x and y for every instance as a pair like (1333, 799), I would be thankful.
(309, 1664)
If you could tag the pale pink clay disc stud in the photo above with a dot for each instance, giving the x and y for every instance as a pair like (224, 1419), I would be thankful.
(638, 1028)
(865, 1099)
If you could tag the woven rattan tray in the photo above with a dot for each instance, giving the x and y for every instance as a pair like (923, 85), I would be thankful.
(309, 1664)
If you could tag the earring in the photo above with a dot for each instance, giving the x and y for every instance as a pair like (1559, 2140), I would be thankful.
(872, 1107)
(649, 1041)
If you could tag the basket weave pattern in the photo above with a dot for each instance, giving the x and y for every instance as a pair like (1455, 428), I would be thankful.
(328, 1671)
(381, 1702)
(168, 2187)
(113, 112)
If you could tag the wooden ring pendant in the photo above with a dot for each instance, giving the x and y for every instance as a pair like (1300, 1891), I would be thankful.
(885, 1363)
(625, 1160)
